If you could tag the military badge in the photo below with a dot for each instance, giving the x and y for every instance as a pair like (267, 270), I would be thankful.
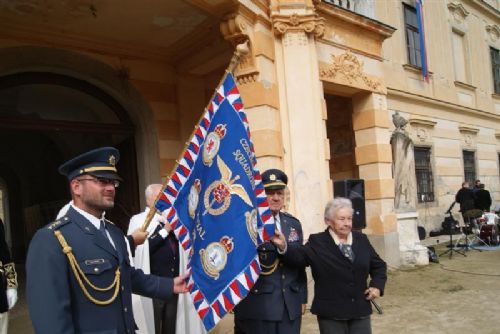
(217, 197)
(212, 144)
(194, 198)
(112, 160)
(293, 236)
(214, 257)
(251, 222)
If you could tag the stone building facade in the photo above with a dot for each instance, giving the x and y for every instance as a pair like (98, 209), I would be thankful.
(320, 84)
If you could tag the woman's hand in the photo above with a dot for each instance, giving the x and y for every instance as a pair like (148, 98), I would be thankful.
(278, 240)
(372, 293)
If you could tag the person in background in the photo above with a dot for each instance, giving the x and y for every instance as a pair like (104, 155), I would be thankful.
(276, 302)
(482, 199)
(465, 197)
(8, 282)
(341, 262)
(78, 270)
(159, 255)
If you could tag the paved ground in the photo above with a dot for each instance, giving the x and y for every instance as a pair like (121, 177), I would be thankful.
(460, 295)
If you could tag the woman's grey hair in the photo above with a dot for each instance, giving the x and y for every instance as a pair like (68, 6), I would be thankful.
(334, 205)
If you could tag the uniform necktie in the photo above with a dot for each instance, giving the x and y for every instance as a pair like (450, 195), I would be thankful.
(102, 229)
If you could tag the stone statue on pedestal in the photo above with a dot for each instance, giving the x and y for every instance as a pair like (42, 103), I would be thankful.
(403, 167)
(405, 194)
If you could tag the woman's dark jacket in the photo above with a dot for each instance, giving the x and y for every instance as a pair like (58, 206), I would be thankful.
(339, 284)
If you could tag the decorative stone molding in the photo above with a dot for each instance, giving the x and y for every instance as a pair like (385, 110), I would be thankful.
(493, 32)
(236, 29)
(350, 68)
(421, 121)
(464, 128)
(458, 11)
(497, 134)
(469, 134)
(309, 24)
(422, 128)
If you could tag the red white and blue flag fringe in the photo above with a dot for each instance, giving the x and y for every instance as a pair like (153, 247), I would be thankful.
(217, 207)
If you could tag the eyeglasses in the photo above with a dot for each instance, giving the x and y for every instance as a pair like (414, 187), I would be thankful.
(103, 181)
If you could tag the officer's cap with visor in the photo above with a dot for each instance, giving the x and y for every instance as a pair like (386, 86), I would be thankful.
(100, 163)
(274, 179)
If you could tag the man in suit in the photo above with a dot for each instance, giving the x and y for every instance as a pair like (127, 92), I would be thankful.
(277, 301)
(79, 276)
(8, 282)
(160, 256)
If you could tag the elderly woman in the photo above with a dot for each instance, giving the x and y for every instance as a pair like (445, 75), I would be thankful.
(340, 261)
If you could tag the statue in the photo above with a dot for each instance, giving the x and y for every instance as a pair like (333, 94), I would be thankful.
(403, 166)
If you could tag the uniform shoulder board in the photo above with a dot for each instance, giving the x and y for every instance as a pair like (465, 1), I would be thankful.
(58, 223)
(289, 215)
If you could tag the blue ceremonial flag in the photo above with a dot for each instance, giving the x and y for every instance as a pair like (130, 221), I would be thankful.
(216, 204)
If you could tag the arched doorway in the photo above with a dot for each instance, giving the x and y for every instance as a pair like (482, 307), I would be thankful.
(45, 119)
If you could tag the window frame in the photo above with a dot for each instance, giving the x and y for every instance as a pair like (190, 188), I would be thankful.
(495, 69)
(424, 175)
(470, 173)
(415, 49)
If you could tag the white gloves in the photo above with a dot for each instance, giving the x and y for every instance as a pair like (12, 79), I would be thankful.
(11, 297)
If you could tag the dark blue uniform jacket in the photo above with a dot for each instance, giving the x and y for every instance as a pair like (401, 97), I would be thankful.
(56, 301)
(285, 288)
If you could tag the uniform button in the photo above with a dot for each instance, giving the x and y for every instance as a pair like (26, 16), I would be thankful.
(125, 309)
(172, 269)
(283, 290)
(174, 257)
(352, 300)
(283, 276)
(256, 290)
(123, 288)
(96, 269)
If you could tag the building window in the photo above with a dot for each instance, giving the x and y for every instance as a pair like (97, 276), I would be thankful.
(469, 167)
(495, 66)
(412, 36)
(423, 171)
(460, 57)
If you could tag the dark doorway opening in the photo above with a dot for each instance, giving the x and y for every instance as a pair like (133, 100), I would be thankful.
(46, 119)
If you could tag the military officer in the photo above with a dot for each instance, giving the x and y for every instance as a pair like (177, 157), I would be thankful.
(277, 301)
(79, 276)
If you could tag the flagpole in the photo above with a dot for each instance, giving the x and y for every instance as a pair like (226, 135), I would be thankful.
(239, 53)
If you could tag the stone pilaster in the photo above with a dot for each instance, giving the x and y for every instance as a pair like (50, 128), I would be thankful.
(302, 115)
(374, 158)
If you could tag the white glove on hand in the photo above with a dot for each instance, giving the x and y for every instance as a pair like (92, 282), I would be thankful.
(11, 297)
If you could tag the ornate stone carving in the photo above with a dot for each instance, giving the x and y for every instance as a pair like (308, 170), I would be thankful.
(310, 24)
(469, 134)
(237, 29)
(493, 32)
(234, 29)
(423, 128)
(350, 68)
(458, 12)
